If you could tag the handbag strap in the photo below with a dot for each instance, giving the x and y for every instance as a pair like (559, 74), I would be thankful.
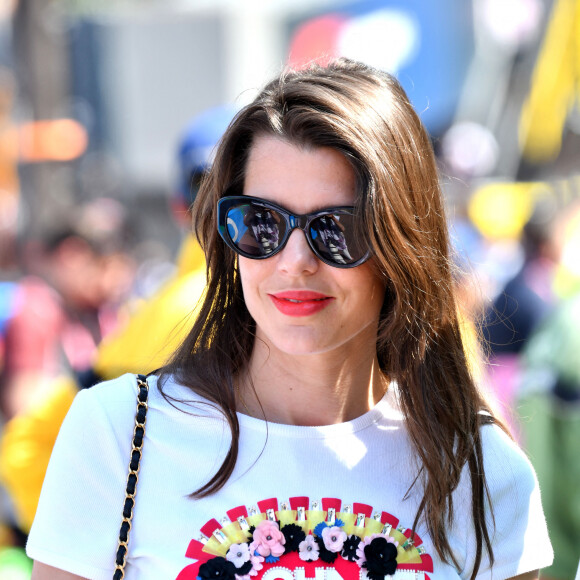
(132, 477)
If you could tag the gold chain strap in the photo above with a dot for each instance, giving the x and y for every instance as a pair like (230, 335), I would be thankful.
(132, 477)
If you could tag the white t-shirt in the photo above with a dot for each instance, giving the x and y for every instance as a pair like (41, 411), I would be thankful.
(367, 464)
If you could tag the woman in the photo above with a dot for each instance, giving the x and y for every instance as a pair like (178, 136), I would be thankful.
(320, 418)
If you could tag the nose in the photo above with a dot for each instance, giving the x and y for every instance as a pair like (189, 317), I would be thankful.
(297, 258)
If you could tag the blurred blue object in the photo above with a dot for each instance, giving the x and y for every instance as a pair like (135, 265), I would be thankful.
(197, 147)
(7, 293)
(428, 46)
(467, 243)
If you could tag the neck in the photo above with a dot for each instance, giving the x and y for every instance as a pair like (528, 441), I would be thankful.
(311, 390)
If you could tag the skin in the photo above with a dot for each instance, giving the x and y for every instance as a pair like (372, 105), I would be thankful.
(43, 572)
(327, 358)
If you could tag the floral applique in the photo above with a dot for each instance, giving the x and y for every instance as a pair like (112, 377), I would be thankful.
(245, 562)
(217, 568)
(378, 554)
(268, 541)
(301, 540)
(308, 549)
(294, 536)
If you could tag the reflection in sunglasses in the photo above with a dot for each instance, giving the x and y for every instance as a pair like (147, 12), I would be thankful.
(264, 226)
(331, 234)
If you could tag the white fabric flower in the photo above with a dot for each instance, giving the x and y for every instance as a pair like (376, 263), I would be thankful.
(308, 549)
(238, 554)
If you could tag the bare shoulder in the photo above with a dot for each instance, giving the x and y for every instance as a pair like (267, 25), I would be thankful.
(42, 571)
(527, 576)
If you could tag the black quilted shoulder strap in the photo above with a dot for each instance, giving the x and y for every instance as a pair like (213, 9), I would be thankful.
(132, 477)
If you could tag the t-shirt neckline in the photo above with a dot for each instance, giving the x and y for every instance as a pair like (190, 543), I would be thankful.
(383, 408)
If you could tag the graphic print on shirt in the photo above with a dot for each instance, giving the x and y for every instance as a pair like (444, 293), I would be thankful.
(303, 540)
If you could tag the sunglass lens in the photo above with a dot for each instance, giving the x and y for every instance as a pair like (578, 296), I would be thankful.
(336, 239)
(254, 229)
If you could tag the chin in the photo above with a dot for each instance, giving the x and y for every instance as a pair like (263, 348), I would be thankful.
(300, 350)
(304, 345)
(296, 341)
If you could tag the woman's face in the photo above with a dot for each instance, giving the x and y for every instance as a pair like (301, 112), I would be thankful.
(300, 304)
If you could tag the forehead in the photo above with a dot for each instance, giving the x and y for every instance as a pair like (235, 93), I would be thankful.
(302, 179)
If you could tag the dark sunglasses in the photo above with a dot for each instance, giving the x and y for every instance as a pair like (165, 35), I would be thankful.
(258, 229)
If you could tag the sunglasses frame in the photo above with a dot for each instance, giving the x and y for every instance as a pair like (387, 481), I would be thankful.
(293, 221)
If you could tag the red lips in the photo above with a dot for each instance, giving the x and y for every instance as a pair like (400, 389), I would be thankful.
(300, 302)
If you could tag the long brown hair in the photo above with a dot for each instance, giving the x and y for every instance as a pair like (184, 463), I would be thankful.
(365, 115)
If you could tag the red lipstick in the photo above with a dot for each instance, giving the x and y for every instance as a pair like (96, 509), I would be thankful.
(300, 302)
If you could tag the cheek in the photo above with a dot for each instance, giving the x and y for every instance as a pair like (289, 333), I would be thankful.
(376, 299)
(371, 293)
(252, 274)
(246, 274)
(365, 278)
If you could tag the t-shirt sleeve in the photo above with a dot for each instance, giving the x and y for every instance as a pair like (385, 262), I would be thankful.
(518, 530)
(79, 514)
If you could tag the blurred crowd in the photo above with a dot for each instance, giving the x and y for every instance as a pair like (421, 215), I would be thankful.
(74, 314)
(524, 296)
(65, 292)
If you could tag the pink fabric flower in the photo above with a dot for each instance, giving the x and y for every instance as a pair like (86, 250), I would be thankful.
(257, 564)
(360, 551)
(268, 539)
(333, 538)
(308, 549)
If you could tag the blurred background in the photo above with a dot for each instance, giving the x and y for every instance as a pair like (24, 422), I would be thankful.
(95, 97)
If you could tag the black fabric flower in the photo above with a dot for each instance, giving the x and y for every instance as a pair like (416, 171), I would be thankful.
(324, 554)
(381, 559)
(251, 532)
(294, 535)
(217, 568)
(245, 569)
(349, 548)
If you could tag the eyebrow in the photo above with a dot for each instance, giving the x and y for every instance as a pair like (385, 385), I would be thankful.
(275, 203)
